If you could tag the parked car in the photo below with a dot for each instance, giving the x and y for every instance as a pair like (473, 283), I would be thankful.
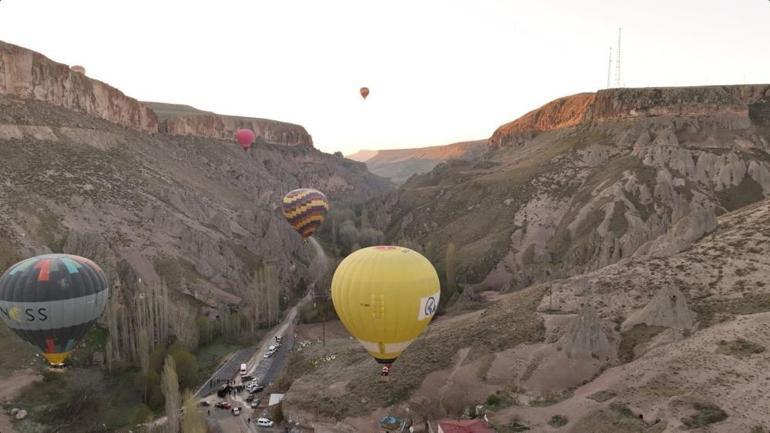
(254, 403)
(264, 422)
(236, 411)
(223, 405)
(246, 378)
(205, 403)
(268, 354)
(250, 398)
(255, 389)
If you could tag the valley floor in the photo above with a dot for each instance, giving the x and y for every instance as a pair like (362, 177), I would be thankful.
(9, 388)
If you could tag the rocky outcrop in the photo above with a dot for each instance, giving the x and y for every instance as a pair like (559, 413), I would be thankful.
(30, 75)
(585, 336)
(731, 103)
(183, 120)
(668, 308)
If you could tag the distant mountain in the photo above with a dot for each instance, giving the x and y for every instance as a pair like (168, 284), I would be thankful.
(400, 164)
(362, 155)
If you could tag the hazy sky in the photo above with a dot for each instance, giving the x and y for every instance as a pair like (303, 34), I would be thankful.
(439, 70)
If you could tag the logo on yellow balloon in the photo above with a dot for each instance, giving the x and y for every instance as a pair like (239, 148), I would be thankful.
(14, 313)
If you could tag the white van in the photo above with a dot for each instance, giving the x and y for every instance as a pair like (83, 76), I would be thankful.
(264, 422)
(243, 369)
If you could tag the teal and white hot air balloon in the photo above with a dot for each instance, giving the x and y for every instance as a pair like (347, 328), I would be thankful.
(52, 301)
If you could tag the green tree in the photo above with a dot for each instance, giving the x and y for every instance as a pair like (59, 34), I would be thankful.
(170, 388)
(186, 365)
(192, 421)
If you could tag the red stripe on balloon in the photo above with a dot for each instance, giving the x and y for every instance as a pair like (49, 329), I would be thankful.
(50, 346)
(44, 266)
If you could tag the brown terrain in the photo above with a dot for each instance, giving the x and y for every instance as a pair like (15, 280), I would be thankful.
(86, 170)
(554, 196)
(399, 165)
(637, 346)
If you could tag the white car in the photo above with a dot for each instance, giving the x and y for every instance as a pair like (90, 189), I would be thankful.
(236, 411)
(264, 422)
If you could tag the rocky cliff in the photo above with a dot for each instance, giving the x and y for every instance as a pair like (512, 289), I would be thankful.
(30, 75)
(731, 103)
(184, 120)
(589, 180)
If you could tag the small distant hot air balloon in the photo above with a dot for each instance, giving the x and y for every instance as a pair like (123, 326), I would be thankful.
(245, 137)
(78, 68)
(51, 301)
(385, 297)
(364, 92)
(305, 209)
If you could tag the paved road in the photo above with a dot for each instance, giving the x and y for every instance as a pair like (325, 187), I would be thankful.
(265, 370)
(226, 372)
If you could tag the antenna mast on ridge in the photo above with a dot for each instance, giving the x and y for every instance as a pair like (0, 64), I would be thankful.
(609, 70)
(618, 79)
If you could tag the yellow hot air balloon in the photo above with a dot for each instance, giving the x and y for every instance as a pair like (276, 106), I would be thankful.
(385, 296)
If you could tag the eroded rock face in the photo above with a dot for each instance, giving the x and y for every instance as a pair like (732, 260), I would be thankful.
(30, 75)
(585, 336)
(667, 308)
(224, 127)
(624, 177)
(732, 103)
(199, 215)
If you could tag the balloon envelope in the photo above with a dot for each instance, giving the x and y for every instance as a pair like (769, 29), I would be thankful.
(245, 137)
(305, 209)
(364, 92)
(385, 297)
(51, 301)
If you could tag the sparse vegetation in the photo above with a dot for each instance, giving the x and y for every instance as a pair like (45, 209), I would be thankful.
(712, 311)
(499, 400)
(513, 427)
(557, 421)
(635, 336)
(602, 396)
(551, 399)
(707, 413)
(740, 348)
(616, 418)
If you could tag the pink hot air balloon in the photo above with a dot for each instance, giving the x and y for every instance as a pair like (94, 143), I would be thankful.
(245, 137)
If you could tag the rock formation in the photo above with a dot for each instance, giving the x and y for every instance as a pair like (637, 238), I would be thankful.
(184, 120)
(30, 75)
(585, 336)
(667, 308)
(589, 180)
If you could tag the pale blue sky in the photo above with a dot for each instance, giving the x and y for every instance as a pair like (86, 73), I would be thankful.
(439, 70)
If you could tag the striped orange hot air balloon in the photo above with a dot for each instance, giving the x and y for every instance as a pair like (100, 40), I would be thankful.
(305, 209)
